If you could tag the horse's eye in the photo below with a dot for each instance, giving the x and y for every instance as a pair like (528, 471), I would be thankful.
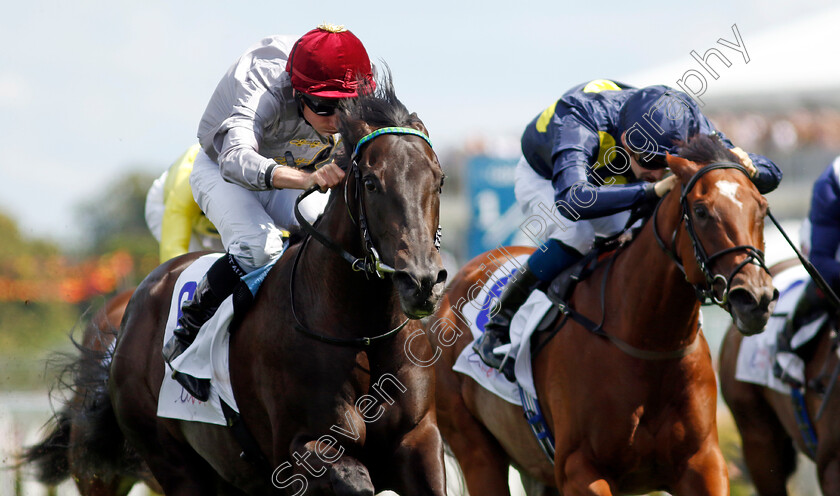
(442, 180)
(370, 184)
(700, 212)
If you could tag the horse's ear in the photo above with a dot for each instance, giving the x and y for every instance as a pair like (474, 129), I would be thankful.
(681, 167)
(362, 128)
(417, 124)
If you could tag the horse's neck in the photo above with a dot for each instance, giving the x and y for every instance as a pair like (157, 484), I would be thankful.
(657, 305)
(333, 280)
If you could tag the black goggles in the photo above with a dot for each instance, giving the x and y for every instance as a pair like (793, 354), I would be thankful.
(651, 161)
(320, 106)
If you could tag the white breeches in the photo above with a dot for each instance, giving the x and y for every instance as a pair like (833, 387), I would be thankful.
(250, 222)
(535, 195)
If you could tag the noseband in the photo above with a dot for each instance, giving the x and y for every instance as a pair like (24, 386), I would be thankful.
(704, 261)
(370, 263)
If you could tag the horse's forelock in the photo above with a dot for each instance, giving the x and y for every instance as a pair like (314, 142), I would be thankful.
(379, 108)
(706, 149)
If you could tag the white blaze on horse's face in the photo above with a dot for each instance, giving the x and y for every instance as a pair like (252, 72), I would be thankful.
(730, 190)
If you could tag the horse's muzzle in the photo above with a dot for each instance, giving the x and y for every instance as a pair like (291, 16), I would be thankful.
(420, 291)
(751, 307)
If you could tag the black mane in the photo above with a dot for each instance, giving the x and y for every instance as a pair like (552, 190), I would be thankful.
(380, 108)
(706, 149)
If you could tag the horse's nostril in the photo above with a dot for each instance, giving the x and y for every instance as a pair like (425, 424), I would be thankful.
(441, 278)
(405, 279)
(742, 298)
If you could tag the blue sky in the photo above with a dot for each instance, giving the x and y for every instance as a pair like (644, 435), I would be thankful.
(90, 89)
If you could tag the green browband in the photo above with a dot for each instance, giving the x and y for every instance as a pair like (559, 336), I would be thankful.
(390, 130)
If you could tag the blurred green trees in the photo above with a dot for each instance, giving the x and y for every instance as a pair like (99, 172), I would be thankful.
(46, 290)
(115, 221)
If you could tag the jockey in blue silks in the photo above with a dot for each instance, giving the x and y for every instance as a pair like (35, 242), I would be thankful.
(593, 156)
(821, 238)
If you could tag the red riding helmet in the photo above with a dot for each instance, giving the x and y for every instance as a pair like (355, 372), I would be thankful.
(329, 62)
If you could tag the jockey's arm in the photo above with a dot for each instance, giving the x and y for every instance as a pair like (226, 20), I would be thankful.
(326, 177)
(583, 200)
(825, 227)
(574, 149)
(239, 161)
(826, 241)
(241, 164)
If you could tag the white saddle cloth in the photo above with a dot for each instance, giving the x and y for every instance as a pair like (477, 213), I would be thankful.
(526, 320)
(758, 352)
(206, 358)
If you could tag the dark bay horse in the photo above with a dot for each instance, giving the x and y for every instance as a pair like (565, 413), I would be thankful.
(767, 421)
(333, 409)
(636, 412)
(73, 447)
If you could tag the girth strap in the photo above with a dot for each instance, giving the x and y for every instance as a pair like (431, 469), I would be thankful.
(536, 421)
(251, 451)
(803, 420)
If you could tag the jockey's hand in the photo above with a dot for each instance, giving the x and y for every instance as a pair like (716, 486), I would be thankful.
(746, 161)
(665, 185)
(326, 177)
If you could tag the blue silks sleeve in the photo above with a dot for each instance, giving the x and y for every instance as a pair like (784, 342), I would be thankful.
(768, 176)
(825, 226)
(583, 200)
(546, 265)
(824, 239)
(576, 147)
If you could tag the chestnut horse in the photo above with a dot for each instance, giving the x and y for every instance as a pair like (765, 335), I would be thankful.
(767, 421)
(632, 411)
(321, 380)
(73, 448)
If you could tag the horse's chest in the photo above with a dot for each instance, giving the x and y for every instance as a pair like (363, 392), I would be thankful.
(646, 439)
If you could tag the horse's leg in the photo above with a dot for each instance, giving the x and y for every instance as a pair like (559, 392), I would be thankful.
(96, 486)
(329, 470)
(88, 481)
(182, 472)
(706, 473)
(482, 459)
(173, 463)
(768, 450)
(829, 475)
(533, 487)
(578, 477)
(420, 456)
(225, 489)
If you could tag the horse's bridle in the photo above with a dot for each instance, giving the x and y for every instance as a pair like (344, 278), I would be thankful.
(370, 263)
(704, 261)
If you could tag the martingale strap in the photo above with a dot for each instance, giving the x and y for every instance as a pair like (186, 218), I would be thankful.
(627, 348)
